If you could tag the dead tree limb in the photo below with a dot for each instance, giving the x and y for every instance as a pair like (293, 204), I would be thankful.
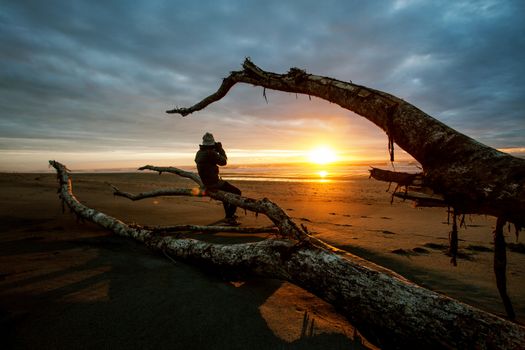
(413, 184)
(471, 177)
(169, 169)
(157, 193)
(402, 179)
(287, 227)
(393, 312)
(212, 228)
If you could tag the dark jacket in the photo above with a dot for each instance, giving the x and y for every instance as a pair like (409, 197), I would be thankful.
(207, 159)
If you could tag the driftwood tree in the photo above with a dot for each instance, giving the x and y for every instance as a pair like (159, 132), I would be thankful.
(390, 310)
(461, 173)
(394, 313)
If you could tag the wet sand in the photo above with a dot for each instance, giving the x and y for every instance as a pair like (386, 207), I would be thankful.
(66, 284)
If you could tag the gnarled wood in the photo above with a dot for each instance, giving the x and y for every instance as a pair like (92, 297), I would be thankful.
(393, 312)
(286, 226)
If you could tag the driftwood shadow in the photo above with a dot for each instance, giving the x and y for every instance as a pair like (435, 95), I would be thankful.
(139, 299)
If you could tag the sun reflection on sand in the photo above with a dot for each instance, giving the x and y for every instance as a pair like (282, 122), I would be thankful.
(287, 309)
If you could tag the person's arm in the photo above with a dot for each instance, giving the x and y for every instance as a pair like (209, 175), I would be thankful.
(222, 159)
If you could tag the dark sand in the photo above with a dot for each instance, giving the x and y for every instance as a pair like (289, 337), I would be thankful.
(65, 284)
(69, 285)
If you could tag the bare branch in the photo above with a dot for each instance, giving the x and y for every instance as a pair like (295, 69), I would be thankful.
(157, 193)
(169, 169)
(421, 200)
(403, 179)
(471, 177)
(287, 227)
(204, 228)
(226, 85)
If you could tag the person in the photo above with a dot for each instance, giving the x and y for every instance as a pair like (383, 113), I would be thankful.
(210, 155)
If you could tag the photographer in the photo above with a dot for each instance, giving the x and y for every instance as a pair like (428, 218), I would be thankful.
(210, 155)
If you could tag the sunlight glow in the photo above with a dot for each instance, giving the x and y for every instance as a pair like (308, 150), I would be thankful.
(323, 173)
(322, 155)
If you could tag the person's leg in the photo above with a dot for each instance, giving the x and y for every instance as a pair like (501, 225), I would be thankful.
(229, 209)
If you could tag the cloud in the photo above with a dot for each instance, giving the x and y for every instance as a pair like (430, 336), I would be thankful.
(98, 75)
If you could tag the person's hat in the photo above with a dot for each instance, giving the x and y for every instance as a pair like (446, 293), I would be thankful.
(208, 140)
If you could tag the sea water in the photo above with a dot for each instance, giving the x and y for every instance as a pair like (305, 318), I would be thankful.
(302, 172)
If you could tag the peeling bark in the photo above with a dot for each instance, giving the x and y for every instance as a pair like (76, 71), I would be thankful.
(393, 312)
(203, 228)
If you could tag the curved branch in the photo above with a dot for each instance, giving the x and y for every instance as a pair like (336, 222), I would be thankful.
(471, 177)
(227, 84)
(393, 311)
(157, 193)
(169, 169)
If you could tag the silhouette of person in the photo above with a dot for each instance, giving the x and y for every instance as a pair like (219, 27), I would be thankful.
(208, 158)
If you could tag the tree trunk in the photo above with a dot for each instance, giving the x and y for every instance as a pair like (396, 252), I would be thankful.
(472, 177)
(392, 311)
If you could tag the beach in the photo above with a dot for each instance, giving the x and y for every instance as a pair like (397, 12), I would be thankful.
(69, 284)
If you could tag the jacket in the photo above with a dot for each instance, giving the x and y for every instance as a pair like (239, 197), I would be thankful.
(207, 159)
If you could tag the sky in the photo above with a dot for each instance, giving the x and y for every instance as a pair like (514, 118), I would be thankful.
(87, 83)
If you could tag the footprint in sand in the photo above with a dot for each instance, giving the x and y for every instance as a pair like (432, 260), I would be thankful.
(343, 225)
(420, 250)
(479, 248)
(437, 246)
(414, 251)
(401, 251)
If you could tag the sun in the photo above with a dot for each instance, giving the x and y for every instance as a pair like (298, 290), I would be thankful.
(322, 155)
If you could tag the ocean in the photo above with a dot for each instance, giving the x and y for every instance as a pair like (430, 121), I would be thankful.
(289, 172)
(304, 172)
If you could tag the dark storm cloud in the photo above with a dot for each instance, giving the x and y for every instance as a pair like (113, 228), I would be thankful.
(100, 73)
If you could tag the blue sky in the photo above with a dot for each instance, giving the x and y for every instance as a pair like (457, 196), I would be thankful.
(87, 82)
